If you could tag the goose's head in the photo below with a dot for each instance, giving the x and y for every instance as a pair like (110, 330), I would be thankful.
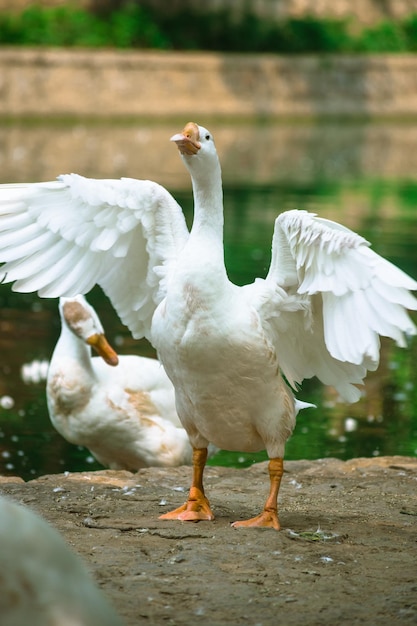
(196, 146)
(83, 321)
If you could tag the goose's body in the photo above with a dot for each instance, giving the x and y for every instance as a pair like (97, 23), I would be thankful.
(319, 311)
(125, 415)
(42, 581)
(234, 373)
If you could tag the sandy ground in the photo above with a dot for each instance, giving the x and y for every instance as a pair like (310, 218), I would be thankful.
(346, 554)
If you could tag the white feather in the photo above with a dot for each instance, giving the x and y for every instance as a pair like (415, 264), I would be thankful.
(363, 295)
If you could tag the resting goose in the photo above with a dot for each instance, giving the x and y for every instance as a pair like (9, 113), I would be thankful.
(42, 581)
(124, 415)
(319, 312)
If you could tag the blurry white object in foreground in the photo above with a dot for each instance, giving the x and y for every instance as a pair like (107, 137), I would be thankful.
(42, 581)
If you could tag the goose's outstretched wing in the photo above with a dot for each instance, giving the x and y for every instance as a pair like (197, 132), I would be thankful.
(62, 237)
(347, 296)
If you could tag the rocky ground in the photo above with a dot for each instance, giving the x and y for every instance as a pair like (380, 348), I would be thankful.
(346, 554)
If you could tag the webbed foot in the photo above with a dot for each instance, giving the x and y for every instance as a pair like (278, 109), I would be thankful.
(194, 510)
(267, 519)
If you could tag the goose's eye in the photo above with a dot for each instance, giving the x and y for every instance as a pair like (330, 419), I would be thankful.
(208, 137)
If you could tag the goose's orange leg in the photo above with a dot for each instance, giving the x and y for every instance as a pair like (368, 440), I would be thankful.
(269, 516)
(197, 506)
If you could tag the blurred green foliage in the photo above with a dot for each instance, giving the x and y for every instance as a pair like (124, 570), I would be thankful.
(134, 26)
(129, 27)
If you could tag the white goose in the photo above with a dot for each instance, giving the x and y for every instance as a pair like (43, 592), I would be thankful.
(124, 415)
(42, 580)
(319, 312)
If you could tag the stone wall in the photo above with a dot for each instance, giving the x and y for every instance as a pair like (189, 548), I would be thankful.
(62, 82)
(149, 96)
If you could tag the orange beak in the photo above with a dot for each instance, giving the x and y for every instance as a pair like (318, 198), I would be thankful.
(188, 139)
(103, 348)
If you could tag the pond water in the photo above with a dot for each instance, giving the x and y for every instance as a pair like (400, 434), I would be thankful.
(361, 175)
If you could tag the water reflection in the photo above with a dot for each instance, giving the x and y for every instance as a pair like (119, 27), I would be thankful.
(266, 170)
(261, 154)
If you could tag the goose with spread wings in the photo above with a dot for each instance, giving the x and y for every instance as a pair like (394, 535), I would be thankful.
(234, 354)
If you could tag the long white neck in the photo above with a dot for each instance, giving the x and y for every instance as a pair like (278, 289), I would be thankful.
(207, 230)
(70, 348)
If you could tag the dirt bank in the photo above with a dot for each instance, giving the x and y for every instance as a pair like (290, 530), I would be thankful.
(347, 552)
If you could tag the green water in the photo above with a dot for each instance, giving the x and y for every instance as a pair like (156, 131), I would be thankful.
(382, 208)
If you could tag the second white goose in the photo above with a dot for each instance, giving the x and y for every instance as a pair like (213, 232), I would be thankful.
(124, 415)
